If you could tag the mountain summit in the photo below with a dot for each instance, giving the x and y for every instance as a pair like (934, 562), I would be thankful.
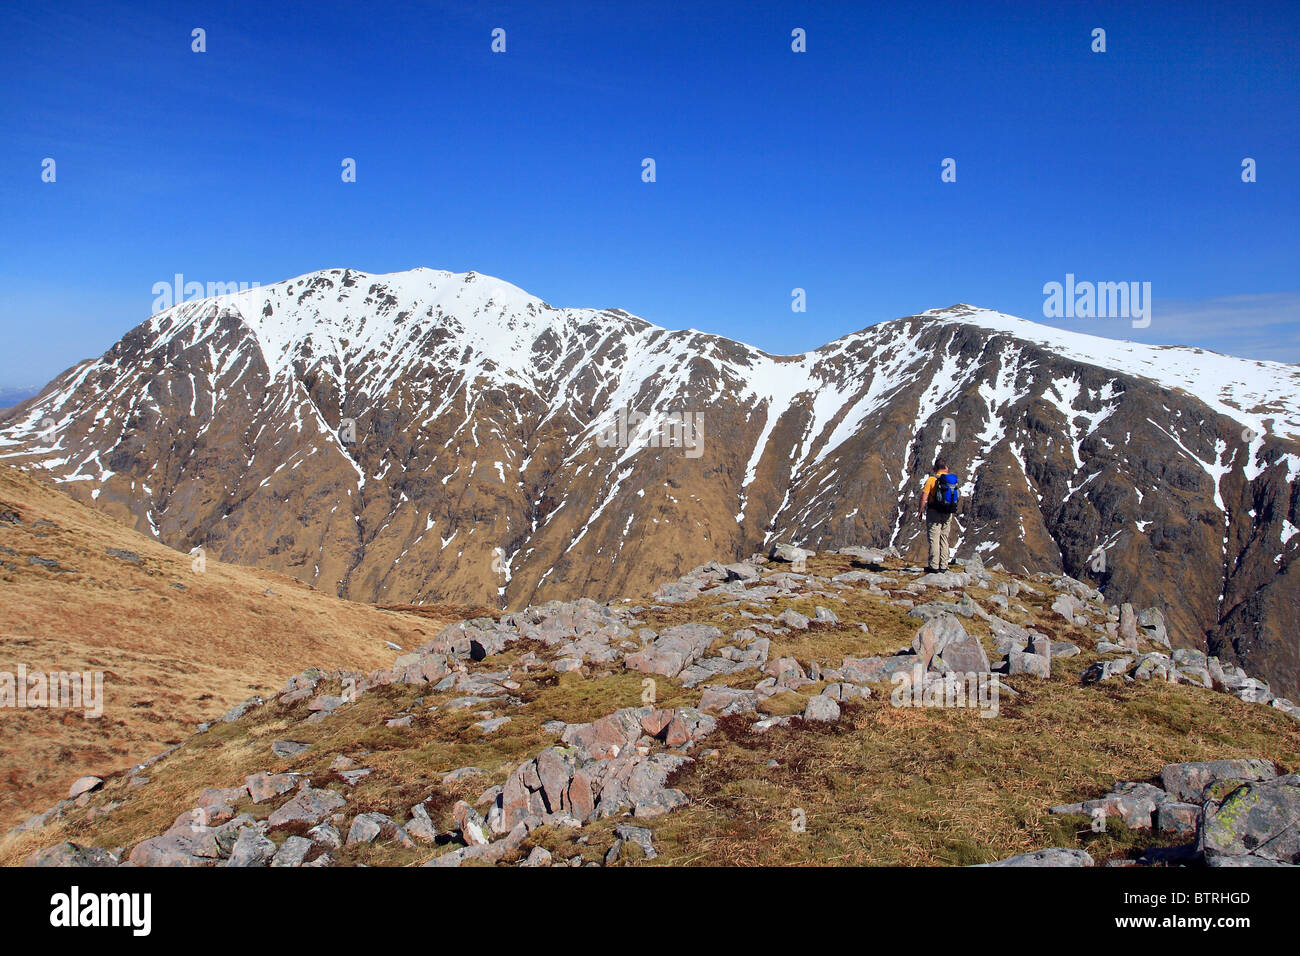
(428, 436)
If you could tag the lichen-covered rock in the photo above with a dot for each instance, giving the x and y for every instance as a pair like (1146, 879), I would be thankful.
(1260, 818)
(1186, 782)
(1177, 818)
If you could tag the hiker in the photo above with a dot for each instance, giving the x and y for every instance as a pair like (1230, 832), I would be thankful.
(936, 506)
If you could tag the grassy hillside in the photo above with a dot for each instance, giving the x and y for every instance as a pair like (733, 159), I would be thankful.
(81, 592)
(883, 785)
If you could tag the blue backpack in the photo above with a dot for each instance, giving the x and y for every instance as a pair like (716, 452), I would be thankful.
(945, 495)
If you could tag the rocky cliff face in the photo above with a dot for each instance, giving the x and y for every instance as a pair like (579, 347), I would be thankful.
(428, 436)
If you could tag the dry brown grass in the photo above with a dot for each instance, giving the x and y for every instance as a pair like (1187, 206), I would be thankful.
(887, 785)
(171, 656)
(902, 786)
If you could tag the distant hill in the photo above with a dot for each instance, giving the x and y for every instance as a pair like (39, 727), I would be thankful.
(14, 395)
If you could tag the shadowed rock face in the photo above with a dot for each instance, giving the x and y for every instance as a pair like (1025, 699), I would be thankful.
(383, 436)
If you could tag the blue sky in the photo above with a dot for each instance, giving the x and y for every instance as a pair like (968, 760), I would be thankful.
(775, 169)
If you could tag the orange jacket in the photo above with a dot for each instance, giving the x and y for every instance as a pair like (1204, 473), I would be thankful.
(928, 489)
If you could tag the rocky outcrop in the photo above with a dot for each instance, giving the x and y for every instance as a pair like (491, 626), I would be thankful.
(1235, 812)
(622, 765)
(1255, 819)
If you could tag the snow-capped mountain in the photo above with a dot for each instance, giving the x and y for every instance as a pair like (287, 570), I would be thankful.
(428, 436)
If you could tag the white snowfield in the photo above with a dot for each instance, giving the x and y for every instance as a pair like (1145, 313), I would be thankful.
(507, 321)
(1264, 396)
(371, 331)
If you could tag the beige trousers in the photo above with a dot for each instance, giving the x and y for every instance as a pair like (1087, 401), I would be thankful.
(937, 524)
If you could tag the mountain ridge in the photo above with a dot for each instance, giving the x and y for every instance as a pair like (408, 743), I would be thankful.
(476, 474)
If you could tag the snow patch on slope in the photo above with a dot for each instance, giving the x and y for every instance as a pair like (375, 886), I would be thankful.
(1249, 391)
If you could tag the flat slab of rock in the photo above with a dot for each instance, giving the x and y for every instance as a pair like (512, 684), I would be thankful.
(742, 571)
(71, 854)
(460, 773)
(865, 557)
(728, 700)
(170, 849)
(874, 670)
(789, 553)
(1053, 857)
(673, 649)
(1185, 782)
(311, 805)
(82, 785)
(190, 843)
(869, 577)
(265, 786)
(1218, 861)
(945, 580)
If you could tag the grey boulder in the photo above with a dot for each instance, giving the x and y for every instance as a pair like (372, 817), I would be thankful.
(1055, 856)
(1185, 782)
(1260, 819)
